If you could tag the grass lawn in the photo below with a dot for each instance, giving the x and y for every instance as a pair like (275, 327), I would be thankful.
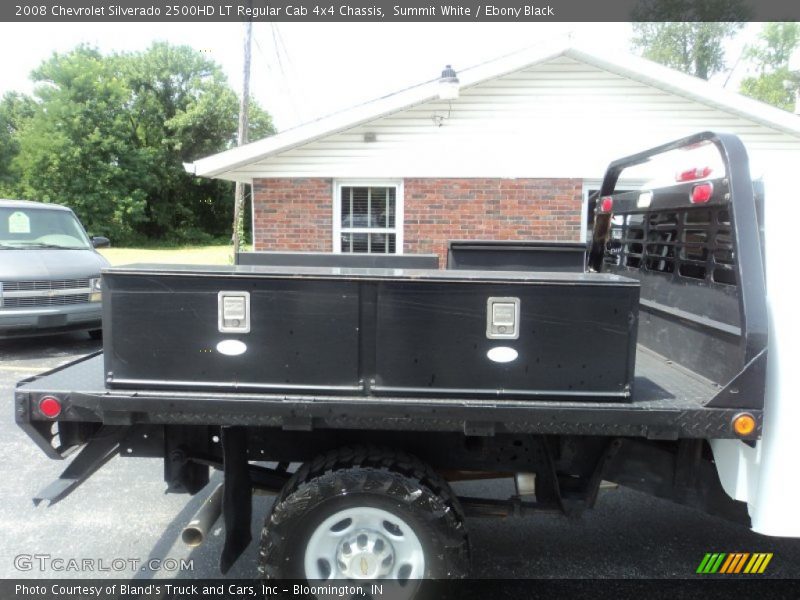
(205, 255)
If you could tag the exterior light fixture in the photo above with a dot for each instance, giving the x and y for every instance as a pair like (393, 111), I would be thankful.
(448, 84)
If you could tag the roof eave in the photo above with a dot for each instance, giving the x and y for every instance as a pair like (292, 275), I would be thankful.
(232, 159)
(225, 162)
(675, 82)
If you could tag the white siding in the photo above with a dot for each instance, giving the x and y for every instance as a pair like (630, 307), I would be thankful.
(562, 118)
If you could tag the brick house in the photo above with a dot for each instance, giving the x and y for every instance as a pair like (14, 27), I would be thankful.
(514, 155)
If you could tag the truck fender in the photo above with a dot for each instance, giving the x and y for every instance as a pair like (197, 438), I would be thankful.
(765, 476)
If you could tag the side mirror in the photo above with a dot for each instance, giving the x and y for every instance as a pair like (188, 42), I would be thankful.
(99, 241)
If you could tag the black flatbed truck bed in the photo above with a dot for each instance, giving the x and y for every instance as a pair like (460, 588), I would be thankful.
(700, 370)
(668, 402)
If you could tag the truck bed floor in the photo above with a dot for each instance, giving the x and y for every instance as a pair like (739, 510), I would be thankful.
(668, 402)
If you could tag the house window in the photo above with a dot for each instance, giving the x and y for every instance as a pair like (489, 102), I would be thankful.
(368, 218)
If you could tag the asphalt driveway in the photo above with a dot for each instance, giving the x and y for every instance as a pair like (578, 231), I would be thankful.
(123, 513)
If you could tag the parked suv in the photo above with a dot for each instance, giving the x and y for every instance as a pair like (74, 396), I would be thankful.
(49, 270)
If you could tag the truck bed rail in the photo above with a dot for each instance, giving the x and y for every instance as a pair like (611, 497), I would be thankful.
(668, 403)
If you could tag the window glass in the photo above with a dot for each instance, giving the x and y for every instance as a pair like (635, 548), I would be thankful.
(40, 228)
(368, 217)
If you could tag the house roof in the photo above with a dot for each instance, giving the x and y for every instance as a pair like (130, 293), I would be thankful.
(625, 65)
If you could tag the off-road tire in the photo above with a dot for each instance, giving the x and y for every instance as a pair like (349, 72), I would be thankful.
(365, 476)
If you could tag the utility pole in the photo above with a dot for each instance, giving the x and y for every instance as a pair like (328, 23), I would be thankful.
(244, 103)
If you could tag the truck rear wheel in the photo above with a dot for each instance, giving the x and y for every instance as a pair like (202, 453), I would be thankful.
(365, 513)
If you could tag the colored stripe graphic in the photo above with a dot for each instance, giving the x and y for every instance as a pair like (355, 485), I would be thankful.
(741, 562)
(718, 563)
(757, 558)
(737, 562)
(729, 562)
(758, 564)
(734, 563)
(704, 563)
(764, 564)
(711, 562)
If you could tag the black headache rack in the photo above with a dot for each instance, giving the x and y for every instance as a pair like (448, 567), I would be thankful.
(700, 264)
(699, 361)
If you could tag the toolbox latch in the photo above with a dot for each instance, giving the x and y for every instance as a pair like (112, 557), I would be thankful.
(502, 318)
(233, 310)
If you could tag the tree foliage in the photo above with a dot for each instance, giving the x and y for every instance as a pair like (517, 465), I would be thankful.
(776, 43)
(774, 83)
(109, 136)
(15, 110)
(687, 35)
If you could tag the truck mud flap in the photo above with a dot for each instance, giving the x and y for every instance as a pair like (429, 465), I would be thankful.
(237, 498)
(103, 446)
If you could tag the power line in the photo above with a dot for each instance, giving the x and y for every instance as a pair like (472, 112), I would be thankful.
(278, 45)
(244, 122)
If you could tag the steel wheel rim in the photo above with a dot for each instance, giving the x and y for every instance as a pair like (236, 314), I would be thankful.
(364, 543)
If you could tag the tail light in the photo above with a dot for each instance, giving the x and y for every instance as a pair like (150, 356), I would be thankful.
(606, 204)
(701, 193)
(50, 406)
(693, 174)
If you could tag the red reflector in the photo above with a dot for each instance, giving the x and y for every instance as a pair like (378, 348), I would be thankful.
(50, 407)
(702, 193)
(692, 174)
(606, 204)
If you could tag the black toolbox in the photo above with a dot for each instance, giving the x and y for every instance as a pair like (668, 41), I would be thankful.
(505, 255)
(392, 332)
(330, 259)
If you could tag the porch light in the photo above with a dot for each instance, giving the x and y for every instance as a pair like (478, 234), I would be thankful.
(448, 84)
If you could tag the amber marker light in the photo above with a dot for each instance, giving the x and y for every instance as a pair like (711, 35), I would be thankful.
(744, 424)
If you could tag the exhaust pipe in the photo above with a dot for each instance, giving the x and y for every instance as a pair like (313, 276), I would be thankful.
(196, 531)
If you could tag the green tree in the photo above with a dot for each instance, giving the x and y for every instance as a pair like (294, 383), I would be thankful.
(110, 134)
(687, 35)
(15, 110)
(73, 151)
(774, 82)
